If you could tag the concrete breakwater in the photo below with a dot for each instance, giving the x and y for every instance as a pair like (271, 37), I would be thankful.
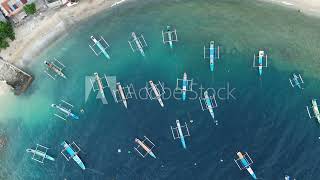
(16, 78)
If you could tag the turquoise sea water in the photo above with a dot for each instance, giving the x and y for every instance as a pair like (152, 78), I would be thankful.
(267, 118)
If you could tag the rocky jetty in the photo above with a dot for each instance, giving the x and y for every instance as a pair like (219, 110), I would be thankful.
(14, 77)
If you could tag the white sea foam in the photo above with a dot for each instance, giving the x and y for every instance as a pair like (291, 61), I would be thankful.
(117, 3)
(287, 3)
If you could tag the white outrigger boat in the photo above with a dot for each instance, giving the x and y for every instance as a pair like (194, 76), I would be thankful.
(178, 134)
(40, 153)
(169, 36)
(72, 153)
(157, 93)
(214, 53)
(186, 85)
(54, 69)
(122, 94)
(208, 103)
(137, 43)
(101, 44)
(315, 109)
(296, 80)
(260, 61)
(99, 85)
(245, 163)
(64, 110)
(146, 147)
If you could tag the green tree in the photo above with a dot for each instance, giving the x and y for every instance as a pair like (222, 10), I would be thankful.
(30, 8)
(6, 31)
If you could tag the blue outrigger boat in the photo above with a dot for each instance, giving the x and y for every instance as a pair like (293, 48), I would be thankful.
(245, 162)
(208, 103)
(183, 85)
(72, 153)
(100, 46)
(177, 133)
(214, 53)
(260, 61)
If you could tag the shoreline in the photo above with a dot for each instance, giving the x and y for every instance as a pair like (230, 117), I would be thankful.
(44, 29)
(307, 7)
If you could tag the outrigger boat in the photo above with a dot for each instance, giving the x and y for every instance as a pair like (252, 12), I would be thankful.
(56, 67)
(214, 53)
(315, 110)
(122, 95)
(72, 153)
(296, 80)
(177, 133)
(186, 86)
(157, 93)
(99, 83)
(137, 43)
(210, 103)
(245, 163)
(64, 110)
(40, 153)
(260, 61)
(101, 44)
(145, 147)
(169, 36)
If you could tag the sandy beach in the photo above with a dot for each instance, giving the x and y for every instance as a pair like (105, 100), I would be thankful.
(37, 33)
(308, 7)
